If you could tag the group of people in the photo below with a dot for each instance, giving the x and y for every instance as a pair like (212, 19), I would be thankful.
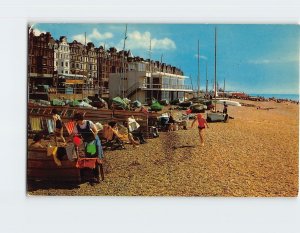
(88, 132)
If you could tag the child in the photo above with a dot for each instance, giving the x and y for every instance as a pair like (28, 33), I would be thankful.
(201, 126)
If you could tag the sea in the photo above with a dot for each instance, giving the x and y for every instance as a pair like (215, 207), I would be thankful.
(279, 96)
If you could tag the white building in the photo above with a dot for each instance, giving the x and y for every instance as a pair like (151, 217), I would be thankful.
(138, 83)
(62, 56)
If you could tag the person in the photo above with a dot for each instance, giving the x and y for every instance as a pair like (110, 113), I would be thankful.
(225, 108)
(58, 126)
(201, 126)
(37, 141)
(89, 133)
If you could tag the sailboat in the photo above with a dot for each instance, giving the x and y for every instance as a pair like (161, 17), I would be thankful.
(216, 116)
(197, 105)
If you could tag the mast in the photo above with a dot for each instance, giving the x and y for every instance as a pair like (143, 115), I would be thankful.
(215, 68)
(206, 90)
(151, 79)
(198, 92)
(224, 89)
(123, 61)
(192, 84)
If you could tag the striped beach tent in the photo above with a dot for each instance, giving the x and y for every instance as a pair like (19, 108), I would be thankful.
(69, 126)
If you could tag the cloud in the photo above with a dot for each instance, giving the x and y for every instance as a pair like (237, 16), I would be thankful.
(201, 57)
(138, 40)
(36, 31)
(261, 61)
(94, 36)
(98, 36)
(278, 60)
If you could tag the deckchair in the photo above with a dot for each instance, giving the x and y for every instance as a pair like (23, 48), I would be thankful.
(111, 138)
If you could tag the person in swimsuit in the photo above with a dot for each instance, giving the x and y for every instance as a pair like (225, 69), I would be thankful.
(201, 126)
(58, 126)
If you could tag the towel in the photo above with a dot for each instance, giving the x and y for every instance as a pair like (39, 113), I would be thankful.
(132, 124)
(108, 132)
(35, 123)
(71, 152)
(86, 163)
(50, 125)
(70, 126)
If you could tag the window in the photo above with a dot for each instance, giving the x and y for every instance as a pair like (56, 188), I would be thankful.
(62, 63)
(67, 64)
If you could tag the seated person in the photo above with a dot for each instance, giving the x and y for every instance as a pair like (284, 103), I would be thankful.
(134, 129)
(37, 141)
(123, 134)
(172, 123)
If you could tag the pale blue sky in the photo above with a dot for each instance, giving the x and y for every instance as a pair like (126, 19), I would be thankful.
(252, 58)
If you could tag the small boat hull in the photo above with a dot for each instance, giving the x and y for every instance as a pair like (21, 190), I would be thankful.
(216, 117)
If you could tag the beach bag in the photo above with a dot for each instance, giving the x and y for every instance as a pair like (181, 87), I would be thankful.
(91, 149)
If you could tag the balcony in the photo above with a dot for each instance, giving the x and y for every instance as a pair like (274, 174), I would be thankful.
(165, 87)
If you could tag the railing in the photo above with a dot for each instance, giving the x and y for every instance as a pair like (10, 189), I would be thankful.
(158, 86)
(86, 91)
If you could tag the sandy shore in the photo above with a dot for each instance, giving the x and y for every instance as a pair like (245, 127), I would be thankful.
(254, 154)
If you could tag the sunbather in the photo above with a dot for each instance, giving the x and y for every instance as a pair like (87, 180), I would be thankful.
(37, 141)
(58, 126)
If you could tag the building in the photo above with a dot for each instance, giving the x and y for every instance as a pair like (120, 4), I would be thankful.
(102, 71)
(77, 80)
(142, 81)
(92, 65)
(109, 62)
(62, 56)
(40, 68)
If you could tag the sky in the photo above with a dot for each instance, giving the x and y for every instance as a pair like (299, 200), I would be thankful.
(261, 59)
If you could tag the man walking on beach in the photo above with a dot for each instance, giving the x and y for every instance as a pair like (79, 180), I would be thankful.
(201, 126)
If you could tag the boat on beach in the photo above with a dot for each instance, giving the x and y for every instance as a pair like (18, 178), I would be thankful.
(198, 108)
(228, 102)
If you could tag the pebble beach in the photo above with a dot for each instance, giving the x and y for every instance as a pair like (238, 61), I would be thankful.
(255, 154)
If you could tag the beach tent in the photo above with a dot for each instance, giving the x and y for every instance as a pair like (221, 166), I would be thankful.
(84, 105)
(156, 107)
(119, 103)
(136, 104)
(57, 102)
(74, 103)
